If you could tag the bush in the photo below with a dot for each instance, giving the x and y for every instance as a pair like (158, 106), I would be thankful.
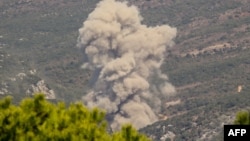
(242, 118)
(36, 119)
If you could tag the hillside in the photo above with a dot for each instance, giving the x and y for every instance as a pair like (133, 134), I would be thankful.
(208, 63)
(41, 36)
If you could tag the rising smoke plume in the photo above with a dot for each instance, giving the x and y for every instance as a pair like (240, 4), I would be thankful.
(125, 57)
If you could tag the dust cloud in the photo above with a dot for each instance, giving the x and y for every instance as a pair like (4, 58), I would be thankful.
(125, 57)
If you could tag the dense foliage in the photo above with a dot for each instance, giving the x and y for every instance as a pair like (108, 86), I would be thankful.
(242, 118)
(37, 119)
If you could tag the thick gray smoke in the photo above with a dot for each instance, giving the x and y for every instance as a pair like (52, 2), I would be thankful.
(125, 57)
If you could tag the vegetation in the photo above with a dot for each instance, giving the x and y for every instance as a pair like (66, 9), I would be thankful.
(242, 118)
(36, 119)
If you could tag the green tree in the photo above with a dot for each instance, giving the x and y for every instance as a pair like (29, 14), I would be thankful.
(36, 119)
(242, 118)
(129, 134)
